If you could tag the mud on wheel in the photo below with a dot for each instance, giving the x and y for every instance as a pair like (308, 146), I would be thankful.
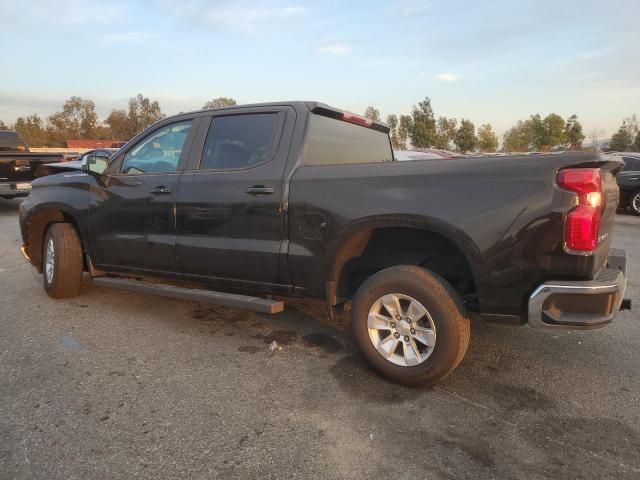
(62, 263)
(410, 325)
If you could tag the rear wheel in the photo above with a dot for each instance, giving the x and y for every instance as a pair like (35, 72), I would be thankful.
(410, 325)
(62, 261)
(634, 202)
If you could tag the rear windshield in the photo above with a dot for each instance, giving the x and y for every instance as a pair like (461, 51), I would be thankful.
(335, 142)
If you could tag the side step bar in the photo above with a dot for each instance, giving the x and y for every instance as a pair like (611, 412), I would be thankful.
(256, 304)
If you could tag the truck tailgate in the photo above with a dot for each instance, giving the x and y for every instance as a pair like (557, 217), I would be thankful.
(21, 167)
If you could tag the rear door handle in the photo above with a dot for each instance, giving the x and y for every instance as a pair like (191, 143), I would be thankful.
(260, 190)
(160, 190)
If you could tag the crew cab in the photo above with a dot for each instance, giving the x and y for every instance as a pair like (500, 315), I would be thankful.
(18, 165)
(299, 198)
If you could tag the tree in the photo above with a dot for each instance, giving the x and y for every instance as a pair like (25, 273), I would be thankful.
(392, 121)
(547, 132)
(445, 132)
(636, 144)
(142, 113)
(595, 135)
(519, 138)
(372, 114)
(465, 138)
(573, 132)
(423, 131)
(220, 102)
(405, 126)
(553, 131)
(119, 126)
(626, 136)
(487, 139)
(3, 126)
(78, 119)
(32, 130)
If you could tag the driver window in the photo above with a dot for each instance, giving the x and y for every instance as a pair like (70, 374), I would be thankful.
(159, 153)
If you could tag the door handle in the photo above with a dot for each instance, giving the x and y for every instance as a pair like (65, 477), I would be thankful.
(160, 190)
(260, 190)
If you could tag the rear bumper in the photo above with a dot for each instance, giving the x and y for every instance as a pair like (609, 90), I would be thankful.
(581, 304)
(12, 190)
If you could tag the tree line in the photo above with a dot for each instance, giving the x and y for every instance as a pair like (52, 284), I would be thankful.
(627, 138)
(419, 129)
(78, 120)
(423, 130)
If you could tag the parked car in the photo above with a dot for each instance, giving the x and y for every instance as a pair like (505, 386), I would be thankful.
(18, 164)
(441, 153)
(408, 155)
(629, 181)
(299, 198)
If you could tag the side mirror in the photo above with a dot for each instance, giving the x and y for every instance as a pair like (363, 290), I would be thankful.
(94, 164)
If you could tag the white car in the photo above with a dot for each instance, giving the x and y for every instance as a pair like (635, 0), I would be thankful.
(408, 155)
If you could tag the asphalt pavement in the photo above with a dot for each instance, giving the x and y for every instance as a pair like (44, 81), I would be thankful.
(117, 385)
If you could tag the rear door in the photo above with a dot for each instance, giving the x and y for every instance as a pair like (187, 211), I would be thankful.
(230, 215)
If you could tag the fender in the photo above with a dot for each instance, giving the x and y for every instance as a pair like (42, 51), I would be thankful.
(37, 212)
(353, 239)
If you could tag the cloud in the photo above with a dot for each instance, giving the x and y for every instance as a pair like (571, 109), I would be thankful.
(333, 48)
(242, 16)
(126, 38)
(63, 12)
(447, 77)
(411, 8)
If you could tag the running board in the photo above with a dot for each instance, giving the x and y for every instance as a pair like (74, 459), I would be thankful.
(256, 304)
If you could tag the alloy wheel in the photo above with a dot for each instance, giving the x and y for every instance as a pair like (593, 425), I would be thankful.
(401, 329)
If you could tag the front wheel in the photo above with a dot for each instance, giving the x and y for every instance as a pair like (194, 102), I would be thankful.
(410, 325)
(62, 261)
(634, 202)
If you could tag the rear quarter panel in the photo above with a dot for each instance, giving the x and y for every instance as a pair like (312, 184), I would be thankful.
(506, 214)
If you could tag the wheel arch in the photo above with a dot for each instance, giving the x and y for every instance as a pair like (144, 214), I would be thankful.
(367, 240)
(39, 221)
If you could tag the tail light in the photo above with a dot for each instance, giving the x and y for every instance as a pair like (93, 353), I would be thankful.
(583, 222)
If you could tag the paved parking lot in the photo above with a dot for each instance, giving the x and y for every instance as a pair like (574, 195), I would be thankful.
(120, 385)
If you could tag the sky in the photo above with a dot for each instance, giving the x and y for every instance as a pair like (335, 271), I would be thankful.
(489, 61)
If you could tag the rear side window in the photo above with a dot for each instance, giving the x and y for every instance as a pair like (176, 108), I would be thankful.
(335, 142)
(239, 141)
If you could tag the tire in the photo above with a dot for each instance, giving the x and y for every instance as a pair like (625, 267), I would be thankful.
(445, 317)
(634, 202)
(62, 277)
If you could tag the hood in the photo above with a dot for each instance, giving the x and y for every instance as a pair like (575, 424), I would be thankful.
(55, 168)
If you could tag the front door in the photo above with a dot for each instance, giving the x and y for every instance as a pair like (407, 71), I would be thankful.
(132, 215)
(230, 218)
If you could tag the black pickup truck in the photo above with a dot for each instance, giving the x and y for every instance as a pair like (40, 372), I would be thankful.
(18, 165)
(299, 198)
